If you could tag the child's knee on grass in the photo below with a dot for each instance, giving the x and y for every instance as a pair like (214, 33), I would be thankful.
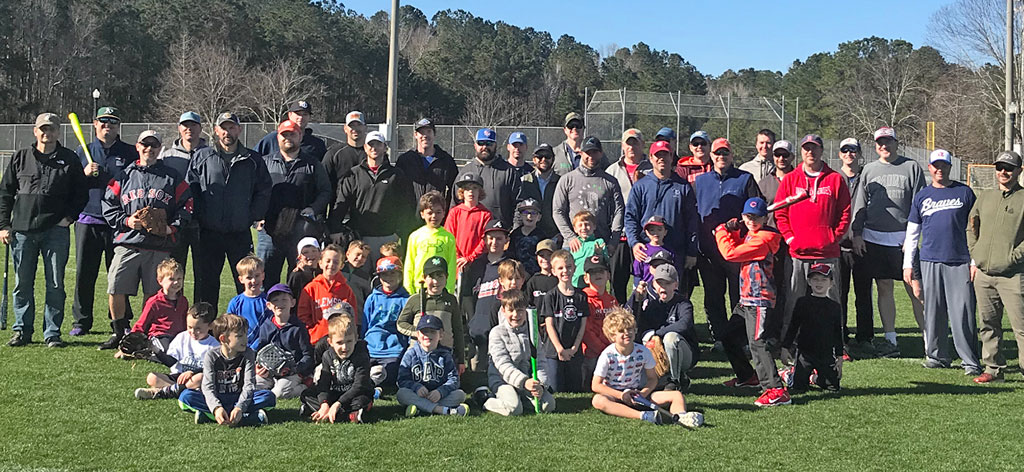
(672, 398)
(611, 406)
(158, 380)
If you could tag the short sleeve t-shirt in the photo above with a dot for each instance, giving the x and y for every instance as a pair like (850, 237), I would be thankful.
(621, 372)
(567, 313)
(189, 352)
(942, 214)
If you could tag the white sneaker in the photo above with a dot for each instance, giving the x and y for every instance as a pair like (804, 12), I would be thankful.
(145, 393)
(691, 419)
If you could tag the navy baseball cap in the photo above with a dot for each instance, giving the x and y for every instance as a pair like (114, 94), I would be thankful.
(226, 117)
(300, 105)
(812, 138)
(429, 322)
(486, 134)
(591, 144)
(423, 123)
(661, 255)
(665, 132)
(495, 225)
(755, 206)
(517, 137)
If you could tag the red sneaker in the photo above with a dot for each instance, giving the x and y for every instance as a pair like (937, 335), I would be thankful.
(988, 378)
(359, 415)
(749, 383)
(773, 397)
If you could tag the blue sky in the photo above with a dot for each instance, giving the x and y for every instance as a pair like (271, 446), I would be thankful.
(758, 34)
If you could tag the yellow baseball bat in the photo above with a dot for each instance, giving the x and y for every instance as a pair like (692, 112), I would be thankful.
(77, 126)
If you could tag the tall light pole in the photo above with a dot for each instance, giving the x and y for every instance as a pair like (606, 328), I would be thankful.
(1008, 125)
(95, 99)
(393, 75)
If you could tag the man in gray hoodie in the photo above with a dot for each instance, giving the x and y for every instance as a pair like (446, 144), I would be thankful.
(178, 156)
(589, 187)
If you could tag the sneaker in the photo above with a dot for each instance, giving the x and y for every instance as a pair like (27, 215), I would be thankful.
(480, 395)
(377, 393)
(202, 418)
(885, 349)
(988, 378)
(652, 417)
(262, 418)
(18, 340)
(78, 332)
(411, 411)
(305, 411)
(690, 419)
(356, 416)
(786, 374)
(55, 342)
(146, 393)
(111, 343)
(773, 397)
(861, 350)
(461, 410)
(930, 363)
(972, 371)
(749, 383)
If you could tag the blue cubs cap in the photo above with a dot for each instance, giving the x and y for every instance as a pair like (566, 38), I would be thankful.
(486, 134)
(700, 134)
(189, 116)
(665, 132)
(429, 322)
(755, 206)
(517, 137)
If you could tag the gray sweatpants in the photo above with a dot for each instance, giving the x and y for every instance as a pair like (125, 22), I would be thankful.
(409, 397)
(949, 301)
(508, 401)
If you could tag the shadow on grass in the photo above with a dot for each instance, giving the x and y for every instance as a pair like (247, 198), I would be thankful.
(918, 388)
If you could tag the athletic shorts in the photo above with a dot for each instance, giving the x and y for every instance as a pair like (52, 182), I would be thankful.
(130, 266)
(883, 262)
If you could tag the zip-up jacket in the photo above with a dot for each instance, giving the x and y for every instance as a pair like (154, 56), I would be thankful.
(467, 225)
(447, 309)
(690, 167)
(814, 227)
(720, 198)
(502, 187)
(291, 337)
(229, 198)
(177, 158)
(339, 162)
(342, 380)
(379, 326)
(672, 316)
(531, 189)
(112, 161)
(299, 183)
(593, 190)
(154, 186)
(509, 356)
(434, 370)
(310, 145)
(756, 257)
(37, 191)
(671, 198)
(439, 175)
(995, 231)
(758, 167)
(618, 172)
(319, 295)
(377, 204)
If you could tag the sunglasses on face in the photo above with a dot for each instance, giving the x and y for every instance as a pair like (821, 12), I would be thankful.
(484, 143)
(150, 144)
(529, 212)
(542, 157)
(109, 121)
(781, 154)
(1005, 168)
(574, 126)
(698, 143)
(847, 150)
(722, 152)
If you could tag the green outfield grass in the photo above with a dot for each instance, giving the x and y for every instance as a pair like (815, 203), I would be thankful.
(73, 409)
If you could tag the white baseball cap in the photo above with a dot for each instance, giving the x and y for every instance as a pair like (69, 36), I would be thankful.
(375, 136)
(885, 132)
(307, 241)
(354, 116)
(849, 142)
(940, 155)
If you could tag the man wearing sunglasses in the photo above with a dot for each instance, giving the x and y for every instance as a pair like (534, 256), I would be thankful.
(93, 236)
(178, 156)
(880, 211)
(567, 153)
(589, 188)
(699, 160)
(721, 194)
(995, 236)
(852, 270)
(761, 164)
(540, 185)
(502, 189)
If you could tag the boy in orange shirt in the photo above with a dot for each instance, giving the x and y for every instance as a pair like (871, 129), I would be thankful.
(596, 275)
(327, 289)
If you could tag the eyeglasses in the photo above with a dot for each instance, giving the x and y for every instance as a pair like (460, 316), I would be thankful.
(847, 150)
(781, 154)
(529, 212)
(1000, 167)
(484, 143)
(109, 121)
(722, 152)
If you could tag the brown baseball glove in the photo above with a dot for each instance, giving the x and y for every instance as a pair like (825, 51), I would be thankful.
(657, 348)
(154, 220)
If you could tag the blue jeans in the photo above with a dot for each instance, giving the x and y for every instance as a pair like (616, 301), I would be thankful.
(53, 244)
(193, 400)
(273, 257)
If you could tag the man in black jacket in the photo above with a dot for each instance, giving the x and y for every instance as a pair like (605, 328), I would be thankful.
(342, 158)
(428, 166)
(502, 189)
(301, 190)
(299, 113)
(231, 189)
(540, 184)
(42, 192)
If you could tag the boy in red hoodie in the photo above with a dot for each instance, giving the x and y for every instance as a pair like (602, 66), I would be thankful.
(326, 289)
(467, 220)
(756, 254)
(596, 275)
(813, 226)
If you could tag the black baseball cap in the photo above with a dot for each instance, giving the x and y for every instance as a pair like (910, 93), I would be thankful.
(495, 225)
(595, 262)
(591, 144)
(469, 178)
(434, 265)
(544, 150)
(300, 105)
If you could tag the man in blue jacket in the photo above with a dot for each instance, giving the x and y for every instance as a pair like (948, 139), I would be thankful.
(299, 113)
(231, 189)
(93, 236)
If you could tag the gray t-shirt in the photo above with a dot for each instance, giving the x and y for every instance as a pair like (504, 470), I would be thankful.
(881, 202)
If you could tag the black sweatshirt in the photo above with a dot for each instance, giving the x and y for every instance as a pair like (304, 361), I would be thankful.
(38, 191)
(342, 380)
(817, 326)
(377, 204)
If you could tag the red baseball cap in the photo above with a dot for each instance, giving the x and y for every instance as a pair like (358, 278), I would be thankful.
(288, 125)
(387, 263)
(719, 144)
(658, 146)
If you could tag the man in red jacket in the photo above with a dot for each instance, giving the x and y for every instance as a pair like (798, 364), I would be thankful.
(814, 226)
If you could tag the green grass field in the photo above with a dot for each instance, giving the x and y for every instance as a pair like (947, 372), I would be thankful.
(73, 409)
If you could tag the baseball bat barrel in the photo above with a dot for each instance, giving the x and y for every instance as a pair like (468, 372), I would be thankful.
(77, 127)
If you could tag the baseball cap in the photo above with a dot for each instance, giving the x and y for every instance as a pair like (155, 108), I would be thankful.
(812, 138)
(375, 136)
(783, 144)
(591, 144)
(340, 308)
(388, 263)
(849, 142)
(885, 132)
(665, 132)
(544, 150)
(288, 125)
(189, 116)
(429, 322)
(700, 134)
(486, 134)
(661, 255)
(149, 134)
(632, 133)
(666, 272)
(656, 220)
(469, 178)
(354, 116)
(300, 105)
(755, 206)
(659, 146)
(719, 144)
(1005, 157)
(819, 268)
(226, 117)
(595, 262)
(528, 203)
(423, 123)
(279, 288)
(517, 137)
(546, 245)
(572, 116)
(45, 119)
(434, 265)
(307, 241)
(495, 225)
(940, 155)
(107, 112)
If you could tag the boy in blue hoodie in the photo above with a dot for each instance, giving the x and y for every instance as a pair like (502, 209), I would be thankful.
(288, 333)
(428, 379)
(379, 326)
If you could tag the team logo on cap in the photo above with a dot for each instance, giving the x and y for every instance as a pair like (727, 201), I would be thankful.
(595, 259)
(436, 260)
(753, 204)
(303, 104)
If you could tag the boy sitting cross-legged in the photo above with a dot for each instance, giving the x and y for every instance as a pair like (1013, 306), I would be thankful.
(618, 375)
(288, 334)
(379, 326)
(664, 313)
(344, 386)
(184, 356)
(229, 380)
(428, 380)
(508, 374)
